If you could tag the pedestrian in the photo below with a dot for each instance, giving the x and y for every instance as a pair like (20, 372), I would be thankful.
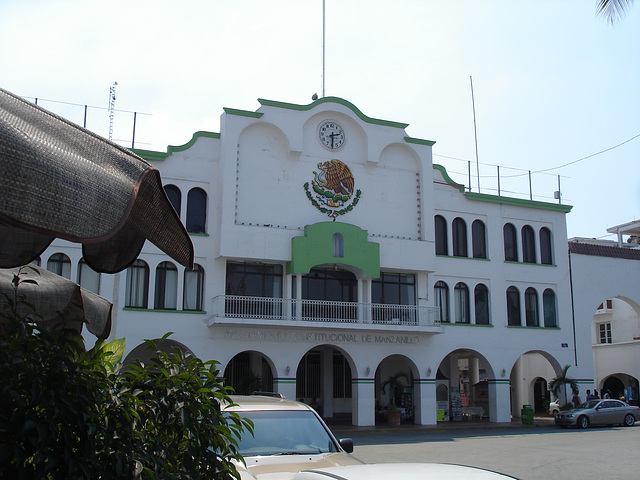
(589, 396)
(595, 395)
(576, 399)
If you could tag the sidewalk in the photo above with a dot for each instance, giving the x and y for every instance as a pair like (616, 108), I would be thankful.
(341, 429)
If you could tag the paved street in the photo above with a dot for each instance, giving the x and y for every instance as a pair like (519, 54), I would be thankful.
(525, 452)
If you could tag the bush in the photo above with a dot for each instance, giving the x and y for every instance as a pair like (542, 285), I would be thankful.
(67, 413)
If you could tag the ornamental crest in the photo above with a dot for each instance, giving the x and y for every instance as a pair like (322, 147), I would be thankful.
(332, 189)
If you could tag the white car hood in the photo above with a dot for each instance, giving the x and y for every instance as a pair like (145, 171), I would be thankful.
(283, 467)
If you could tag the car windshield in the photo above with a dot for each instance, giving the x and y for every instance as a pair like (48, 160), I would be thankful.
(590, 404)
(285, 432)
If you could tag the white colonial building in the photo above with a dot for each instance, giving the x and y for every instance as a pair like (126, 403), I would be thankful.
(333, 256)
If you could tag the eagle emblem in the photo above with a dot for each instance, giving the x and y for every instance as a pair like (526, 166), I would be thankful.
(333, 189)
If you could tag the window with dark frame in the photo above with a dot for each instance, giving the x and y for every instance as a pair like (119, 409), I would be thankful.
(481, 300)
(549, 307)
(461, 300)
(442, 241)
(196, 211)
(546, 253)
(528, 244)
(513, 307)
(605, 332)
(137, 285)
(459, 228)
(441, 300)
(531, 307)
(193, 293)
(175, 197)
(479, 239)
(166, 287)
(510, 243)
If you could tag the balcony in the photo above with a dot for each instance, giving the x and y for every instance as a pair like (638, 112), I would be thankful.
(264, 311)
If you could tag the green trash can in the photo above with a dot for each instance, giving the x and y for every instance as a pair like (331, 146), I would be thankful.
(527, 415)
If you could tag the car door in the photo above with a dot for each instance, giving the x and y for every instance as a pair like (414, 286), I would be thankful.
(618, 411)
(606, 412)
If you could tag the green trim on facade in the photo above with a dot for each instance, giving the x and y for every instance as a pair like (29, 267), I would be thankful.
(363, 381)
(495, 381)
(133, 309)
(341, 101)
(242, 113)
(419, 141)
(424, 381)
(531, 327)
(518, 202)
(466, 324)
(154, 156)
(529, 263)
(284, 381)
(316, 248)
(447, 178)
(466, 258)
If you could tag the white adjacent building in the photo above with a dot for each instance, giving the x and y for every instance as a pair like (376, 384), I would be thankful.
(333, 256)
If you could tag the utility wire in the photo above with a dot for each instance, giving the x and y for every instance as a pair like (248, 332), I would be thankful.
(545, 169)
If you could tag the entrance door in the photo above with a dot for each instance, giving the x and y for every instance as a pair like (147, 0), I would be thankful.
(540, 396)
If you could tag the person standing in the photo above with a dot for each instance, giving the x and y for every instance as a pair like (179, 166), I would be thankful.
(576, 399)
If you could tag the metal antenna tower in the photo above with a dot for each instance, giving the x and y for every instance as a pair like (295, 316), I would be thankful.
(112, 108)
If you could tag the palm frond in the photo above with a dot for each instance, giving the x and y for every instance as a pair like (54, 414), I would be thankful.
(613, 10)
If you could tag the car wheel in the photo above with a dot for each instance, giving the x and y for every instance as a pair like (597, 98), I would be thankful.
(583, 422)
(629, 420)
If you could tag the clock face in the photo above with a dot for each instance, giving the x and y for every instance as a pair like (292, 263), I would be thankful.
(331, 135)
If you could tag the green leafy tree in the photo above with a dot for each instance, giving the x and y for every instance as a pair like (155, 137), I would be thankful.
(71, 413)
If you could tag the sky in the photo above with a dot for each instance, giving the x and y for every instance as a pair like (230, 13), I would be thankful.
(555, 88)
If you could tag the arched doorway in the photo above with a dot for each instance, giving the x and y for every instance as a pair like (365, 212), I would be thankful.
(323, 380)
(394, 391)
(614, 387)
(464, 375)
(530, 378)
(249, 372)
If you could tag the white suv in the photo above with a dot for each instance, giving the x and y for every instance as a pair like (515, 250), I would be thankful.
(288, 437)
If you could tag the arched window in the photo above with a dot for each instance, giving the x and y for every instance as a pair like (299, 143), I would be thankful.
(513, 307)
(528, 245)
(193, 289)
(461, 299)
(459, 237)
(137, 294)
(479, 239)
(546, 256)
(196, 211)
(441, 300)
(481, 300)
(338, 245)
(88, 278)
(510, 243)
(175, 197)
(442, 240)
(531, 307)
(60, 264)
(549, 307)
(166, 291)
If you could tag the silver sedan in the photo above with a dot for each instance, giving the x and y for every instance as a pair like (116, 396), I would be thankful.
(599, 412)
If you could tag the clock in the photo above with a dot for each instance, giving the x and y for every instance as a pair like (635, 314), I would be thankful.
(331, 134)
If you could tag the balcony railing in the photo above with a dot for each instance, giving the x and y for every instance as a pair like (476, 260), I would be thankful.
(287, 309)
